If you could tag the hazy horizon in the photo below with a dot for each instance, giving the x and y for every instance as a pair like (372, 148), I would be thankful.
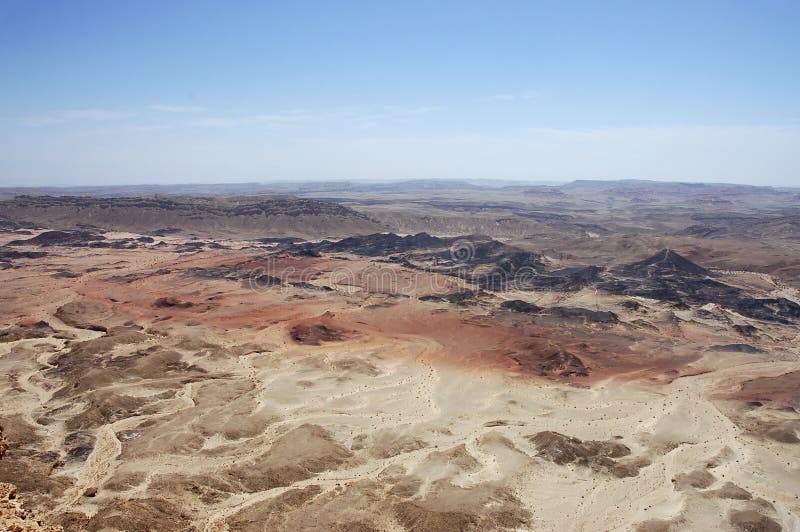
(476, 181)
(110, 93)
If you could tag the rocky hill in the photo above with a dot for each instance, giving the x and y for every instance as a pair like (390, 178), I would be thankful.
(239, 216)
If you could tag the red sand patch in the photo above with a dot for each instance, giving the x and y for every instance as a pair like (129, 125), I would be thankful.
(468, 338)
(782, 389)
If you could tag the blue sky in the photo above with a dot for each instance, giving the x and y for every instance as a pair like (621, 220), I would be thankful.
(144, 92)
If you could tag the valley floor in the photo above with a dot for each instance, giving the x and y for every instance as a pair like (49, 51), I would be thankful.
(152, 389)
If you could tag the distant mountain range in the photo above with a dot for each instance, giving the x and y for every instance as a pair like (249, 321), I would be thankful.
(411, 185)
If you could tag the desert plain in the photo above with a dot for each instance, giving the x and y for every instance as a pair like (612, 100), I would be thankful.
(431, 356)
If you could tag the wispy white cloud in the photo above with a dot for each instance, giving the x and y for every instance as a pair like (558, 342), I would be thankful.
(166, 108)
(77, 115)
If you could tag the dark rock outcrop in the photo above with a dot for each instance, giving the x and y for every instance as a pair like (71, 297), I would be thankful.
(374, 245)
(777, 309)
(517, 305)
(315, 334)
(665, 261)
(597, 455)
(59, 238)
(39, 329)
(735, 348)
(746, 330)
(171, 302)
(594, 316)
(230, 273)
(485, 262)
(551, 359)
(667, 276)
(13, 254)
(461, 298)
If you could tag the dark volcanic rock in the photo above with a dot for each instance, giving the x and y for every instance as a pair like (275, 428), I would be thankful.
(11, 226)
(746, 330)
(565, 363)
(577, 278)
(771, 309)
(59, 238)
(480, 260)
(65, 275)
(465, 296)
(374, 245)
(674, 288)
(230, 273)
(594, 316)
(493, 265)
(665, 261)
(165, 231)
(315, 334)
(280, 240)
(188, 247)
(309, 286)
(13, 254)
(736, 348)
(171, 302)
(551, 359)
(123, 243)
(631, 305)
(131, 277)
(79, 444)
(39, 329)
(265, 280)
(510, 268)
(461, 298)
(669, 277)
(517, 305)
(251, 278)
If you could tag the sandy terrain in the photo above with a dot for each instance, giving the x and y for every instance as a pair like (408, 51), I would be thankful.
(175, 391)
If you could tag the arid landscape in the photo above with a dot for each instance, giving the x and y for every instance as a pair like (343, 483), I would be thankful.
(421, 355)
